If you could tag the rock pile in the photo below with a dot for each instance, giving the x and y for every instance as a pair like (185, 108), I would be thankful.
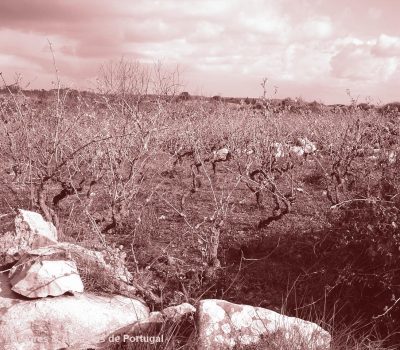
(37, 272)
(43, 305)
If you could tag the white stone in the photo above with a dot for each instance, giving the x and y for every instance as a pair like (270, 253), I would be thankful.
(392, 157)
(308, 146)
(70, 322)
(221, 154)
(34, 277)
(297, 150)
(31, 232)
(278, 150)
(244, 324)
(29, 222)
(303, 147)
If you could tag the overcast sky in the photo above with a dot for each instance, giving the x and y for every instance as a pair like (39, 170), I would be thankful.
(314, 49)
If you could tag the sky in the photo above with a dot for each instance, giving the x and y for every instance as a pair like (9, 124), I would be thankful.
(312, 49)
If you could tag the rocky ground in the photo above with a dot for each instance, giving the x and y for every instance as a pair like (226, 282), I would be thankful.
(44, 304)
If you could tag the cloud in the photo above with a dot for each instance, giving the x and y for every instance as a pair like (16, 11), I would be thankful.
(306, 62)
(37, 13)
(376, 59)
(217, 42)
(317, 28)
(387, 46)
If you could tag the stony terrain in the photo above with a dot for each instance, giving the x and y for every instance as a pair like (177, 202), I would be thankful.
(60, 315)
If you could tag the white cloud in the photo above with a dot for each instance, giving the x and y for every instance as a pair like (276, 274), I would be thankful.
(357, 62)
(387, 46)
(306, 62)
(317, 28)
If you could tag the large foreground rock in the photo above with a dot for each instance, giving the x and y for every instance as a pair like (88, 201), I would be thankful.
(224, 325)
(45, 272)
(31, 232)
(66, 322)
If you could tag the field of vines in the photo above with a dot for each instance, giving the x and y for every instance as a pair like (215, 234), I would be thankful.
(206, 198)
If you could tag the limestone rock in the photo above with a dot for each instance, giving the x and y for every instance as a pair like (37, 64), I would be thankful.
(224, 325)
(65, 322)
(31, 232)
(221, 154)
(90, 265)
(45, 272)
(308, 146)
(32, 225)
